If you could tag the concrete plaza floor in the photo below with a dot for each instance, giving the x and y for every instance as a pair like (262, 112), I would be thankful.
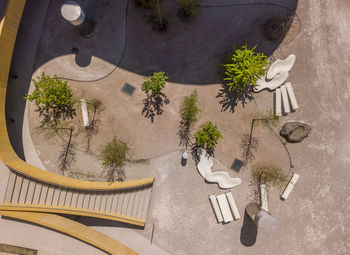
(315, 219)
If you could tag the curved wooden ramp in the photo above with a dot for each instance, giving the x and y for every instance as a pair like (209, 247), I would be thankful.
(129, 205)
(75, 229)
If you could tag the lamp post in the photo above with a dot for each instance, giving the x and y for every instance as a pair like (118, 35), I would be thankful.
(72, 12)
(262, 219)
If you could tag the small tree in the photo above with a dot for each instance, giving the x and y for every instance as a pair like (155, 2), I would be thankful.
(153, 86)
(147, 4)
(188, 111)
(208, 137)
(53, 99)
(154, 83)
(188, 8)
(114, 155)
(244, 66)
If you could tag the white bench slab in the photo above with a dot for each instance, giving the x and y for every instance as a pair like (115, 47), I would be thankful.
(263, 197)
(290, 186)
(84, 112)
(278, 102)
(285, 99)
(215, 205)
(233, 206)
(291, 95)
(225, 208)
(280, 66)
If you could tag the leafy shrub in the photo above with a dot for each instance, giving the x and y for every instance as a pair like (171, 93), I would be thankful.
(208, 137)
(154, 83)
(244, 66)
(270, 175)
(189, 109)
(188, 8)
(114, 155)
(53, 99)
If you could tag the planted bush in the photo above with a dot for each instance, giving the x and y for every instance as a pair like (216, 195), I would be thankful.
(53, 99)
(243, 67)
(208, 137)
(154, 83)
(114, 155)
(189, 111)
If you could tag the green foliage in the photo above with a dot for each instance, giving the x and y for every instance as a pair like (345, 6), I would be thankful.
(189, 109)
(114, 153)
(53, 99)
(269, 175)
(244, 66)
(189, 8)
(208, 136)
(154, 83)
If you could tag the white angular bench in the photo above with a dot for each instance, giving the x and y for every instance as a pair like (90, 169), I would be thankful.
(225, 208)
(263, 197)
(290, 186)
(215, 205)
(84, 112)
(291, 95)
(278, 102)
(285, 99)
(280, 66)
(233, 206)
(220, 177)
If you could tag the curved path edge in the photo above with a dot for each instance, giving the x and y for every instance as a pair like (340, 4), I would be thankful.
(8, 31)
(74, 229)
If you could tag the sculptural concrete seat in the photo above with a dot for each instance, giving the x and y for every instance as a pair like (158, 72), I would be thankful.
(276, 82)
(280, 66)
(222, 178)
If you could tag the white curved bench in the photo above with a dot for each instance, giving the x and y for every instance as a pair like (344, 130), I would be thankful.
(276, 82)
(222, 178)
(281, 66)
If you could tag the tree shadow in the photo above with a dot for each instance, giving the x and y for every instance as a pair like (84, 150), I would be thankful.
(184, 134)
(67, 154)
(248, 145)
(153, 105)
(230, 99)
(248, 231)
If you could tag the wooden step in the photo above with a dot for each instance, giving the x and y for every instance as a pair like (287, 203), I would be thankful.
(43, 195)
(30, 192)
(146, 204)
(17, 189)
(10, 185)
(24, 191)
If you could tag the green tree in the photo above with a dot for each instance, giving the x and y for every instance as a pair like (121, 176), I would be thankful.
(189, 112)
(114, 155)
(188, 8)
(53, 99)
(154, 83)
(189, 109)
(208, 137)
(243, 67)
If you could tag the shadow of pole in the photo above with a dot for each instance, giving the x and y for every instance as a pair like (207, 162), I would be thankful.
(248, 231)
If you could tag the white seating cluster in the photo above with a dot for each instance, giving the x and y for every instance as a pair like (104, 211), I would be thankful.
(274, 80)
(224, 207)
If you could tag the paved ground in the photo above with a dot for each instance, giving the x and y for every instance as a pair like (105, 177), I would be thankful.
(315, 219)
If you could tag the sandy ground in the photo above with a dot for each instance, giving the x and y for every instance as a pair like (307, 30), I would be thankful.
(315, 219)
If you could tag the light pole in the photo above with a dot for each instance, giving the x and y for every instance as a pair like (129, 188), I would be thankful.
(72, 12)
(262, 219)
